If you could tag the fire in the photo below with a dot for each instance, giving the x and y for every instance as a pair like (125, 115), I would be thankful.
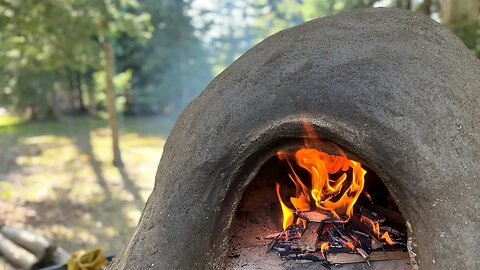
(326, 192)
(387, 238)
(287, 212)
(324, 247)
(374, 225)
(351, 246)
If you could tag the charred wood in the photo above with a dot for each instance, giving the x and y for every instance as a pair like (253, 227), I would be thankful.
(392, 216)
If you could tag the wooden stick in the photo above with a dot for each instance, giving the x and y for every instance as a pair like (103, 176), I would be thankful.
(309, 239)
(272, 235)
(362, 253)
(371, 215)
(364, 228)
(344, 258)
(392, 216)
(274, 241)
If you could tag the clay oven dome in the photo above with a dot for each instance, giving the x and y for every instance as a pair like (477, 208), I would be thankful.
(396, 90)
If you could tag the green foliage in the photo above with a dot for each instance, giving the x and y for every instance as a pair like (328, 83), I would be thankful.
(35, 91)
(262, 18)
(238, 25)
(122, 82)
(44, 43)
(51, 57)
(282, 14)
(45, 34)
(172, 68)
(469, 33)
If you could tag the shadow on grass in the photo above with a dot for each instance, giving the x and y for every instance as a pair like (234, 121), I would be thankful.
(76, 226)
(84, 143)
(132, 188)
(11, 137)
(81, 219)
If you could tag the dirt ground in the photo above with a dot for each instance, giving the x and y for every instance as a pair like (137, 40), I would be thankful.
(57, 179)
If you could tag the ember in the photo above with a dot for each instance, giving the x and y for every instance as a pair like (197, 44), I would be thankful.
(323, 220)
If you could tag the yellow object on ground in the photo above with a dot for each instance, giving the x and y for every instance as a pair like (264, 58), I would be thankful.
(91, 260)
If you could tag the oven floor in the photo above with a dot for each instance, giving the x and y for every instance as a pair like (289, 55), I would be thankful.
(248, 249)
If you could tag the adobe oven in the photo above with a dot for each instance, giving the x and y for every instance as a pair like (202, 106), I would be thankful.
(391, 90)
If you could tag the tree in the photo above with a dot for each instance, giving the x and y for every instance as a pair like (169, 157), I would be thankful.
(51, 36)
(426, 7)
(112, 111)
(33, 43)
(462, 17)
(234, 22)
(172, 67)
(117, 19)
(231, 27)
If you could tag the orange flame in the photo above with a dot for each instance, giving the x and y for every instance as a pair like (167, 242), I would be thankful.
(328, 194)
(287, 212)
(374, 225)
(387, 238)
(351, 246)
(324, 247)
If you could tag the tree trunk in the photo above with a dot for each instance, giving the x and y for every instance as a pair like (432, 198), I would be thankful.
(464, 12)
(112, 111)
(427, 5)
(78, 82)
(32, 113)
(404, 4)
(70, 95)
(462, 17)
(92, 105)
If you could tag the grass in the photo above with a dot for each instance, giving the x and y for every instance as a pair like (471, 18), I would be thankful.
(57, 178)
(9, 120)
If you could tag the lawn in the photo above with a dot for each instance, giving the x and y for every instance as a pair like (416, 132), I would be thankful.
(57, 178)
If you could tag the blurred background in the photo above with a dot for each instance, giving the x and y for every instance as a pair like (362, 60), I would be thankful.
(89, 91)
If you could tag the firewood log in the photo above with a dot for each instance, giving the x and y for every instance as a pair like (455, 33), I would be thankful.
(316, 216)
(17, 255)
(309, 239)
(34, 243)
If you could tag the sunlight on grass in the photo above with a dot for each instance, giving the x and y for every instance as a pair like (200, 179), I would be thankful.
(59, 179)
(10, 120)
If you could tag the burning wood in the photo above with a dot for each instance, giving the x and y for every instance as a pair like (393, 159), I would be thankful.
(319, 220)
(309, 239)
(362, 253)
(340, 242)
(317, 216)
